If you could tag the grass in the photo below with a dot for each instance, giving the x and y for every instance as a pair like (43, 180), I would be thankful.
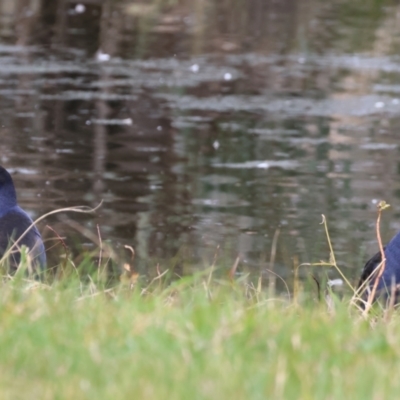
(192, 339)
(207, 336)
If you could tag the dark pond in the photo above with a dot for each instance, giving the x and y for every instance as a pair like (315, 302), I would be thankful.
(205, 123)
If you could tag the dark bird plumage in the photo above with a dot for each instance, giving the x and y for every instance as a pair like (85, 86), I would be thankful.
(391, 274)
(13, 223)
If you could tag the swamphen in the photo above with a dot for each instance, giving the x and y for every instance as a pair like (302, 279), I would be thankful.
(13, 223)
(391, 274)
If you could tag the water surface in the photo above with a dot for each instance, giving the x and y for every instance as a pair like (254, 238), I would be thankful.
(206, 123)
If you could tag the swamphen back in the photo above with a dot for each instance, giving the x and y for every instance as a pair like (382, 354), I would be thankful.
(13, 223)
(391, 275)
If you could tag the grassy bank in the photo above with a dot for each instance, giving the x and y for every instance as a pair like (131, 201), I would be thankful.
(188, 341)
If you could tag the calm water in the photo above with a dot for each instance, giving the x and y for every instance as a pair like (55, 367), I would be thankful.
(205, 123)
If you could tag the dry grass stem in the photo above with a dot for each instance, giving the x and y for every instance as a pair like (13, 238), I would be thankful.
(272, 278)
(381, 206)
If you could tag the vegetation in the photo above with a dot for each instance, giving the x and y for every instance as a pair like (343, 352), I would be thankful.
(208, 336)
(197, 338)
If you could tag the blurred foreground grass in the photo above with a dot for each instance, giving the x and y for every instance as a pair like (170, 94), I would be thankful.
(193, 339)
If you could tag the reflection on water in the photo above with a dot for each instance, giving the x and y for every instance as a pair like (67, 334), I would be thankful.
(206, 123)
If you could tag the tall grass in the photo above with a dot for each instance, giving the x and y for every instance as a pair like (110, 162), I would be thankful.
(207, 336)
(193, 339)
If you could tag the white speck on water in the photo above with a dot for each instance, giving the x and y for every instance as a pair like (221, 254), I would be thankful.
(379, 104)
(374, 201)
(100, 56)
(216, 145)
(47, 182)
(227, 76)
(80, 8)
(159, 128)
(127, 121)
(395, 101)
(379, 146)
(285, 164)
(88, 122)
(195, 68)
(301, 60)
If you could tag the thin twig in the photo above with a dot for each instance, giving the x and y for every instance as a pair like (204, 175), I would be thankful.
(61, 240)
(232, 271)
(133, 276)
(296, 285)
(381, 206)
(284, 282)
(63, 244)
(332, 259)
(213, 266)
(100, 252)
(272, 278)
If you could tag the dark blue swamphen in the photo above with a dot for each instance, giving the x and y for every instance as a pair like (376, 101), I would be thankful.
(14, 221)
(391, 274)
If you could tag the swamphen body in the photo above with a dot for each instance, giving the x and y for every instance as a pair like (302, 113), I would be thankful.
(391, 275)
(13, 223)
